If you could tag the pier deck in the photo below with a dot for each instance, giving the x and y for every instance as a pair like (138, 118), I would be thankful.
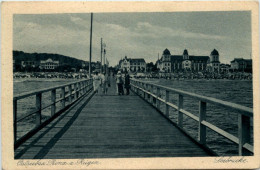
(109, 126)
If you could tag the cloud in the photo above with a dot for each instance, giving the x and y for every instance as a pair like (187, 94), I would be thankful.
(136, 42)
(147, 30)
(69, 34)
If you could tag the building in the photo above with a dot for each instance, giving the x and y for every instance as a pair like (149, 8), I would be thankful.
(132, 64)
(224, 68)
(185, 62)
(240, 64)
(213, 63)
(32, 64)
(49, 64)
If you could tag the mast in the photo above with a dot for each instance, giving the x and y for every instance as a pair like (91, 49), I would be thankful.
(105, 60)
(90, 50)
(101, 56)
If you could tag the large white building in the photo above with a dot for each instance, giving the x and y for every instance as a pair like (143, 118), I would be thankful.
(49, 64)
(172, 63)
(132, 64)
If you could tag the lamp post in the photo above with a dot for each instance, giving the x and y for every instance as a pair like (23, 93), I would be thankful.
(103, 46)
(105, 60)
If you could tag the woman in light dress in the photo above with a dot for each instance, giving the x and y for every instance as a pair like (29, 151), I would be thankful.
(96, 82)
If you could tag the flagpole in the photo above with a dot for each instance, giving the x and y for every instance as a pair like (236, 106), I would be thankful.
(105, 60)
(101, 56)
(90, 50)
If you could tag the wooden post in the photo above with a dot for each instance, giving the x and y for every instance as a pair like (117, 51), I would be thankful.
(138, 92)
(63, 97)
(79, 84)
(88, 85)
(53, 100)
(85, 86)
(136, 89)
(202, 128)
(75, 90)
(166, 105)
(146, 88)
(80, 89)
(15, 119)
(151, 91)
(180, 114)
(243, 132)
(38, 108)
(70, 91)
(91, 83)
(158, 95)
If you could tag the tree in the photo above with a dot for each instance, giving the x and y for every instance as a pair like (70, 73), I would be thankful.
(149, 66)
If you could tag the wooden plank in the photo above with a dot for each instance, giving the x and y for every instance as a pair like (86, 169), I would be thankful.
(190, 115)
(221, 132)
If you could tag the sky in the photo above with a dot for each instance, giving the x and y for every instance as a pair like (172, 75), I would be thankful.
(135, 35)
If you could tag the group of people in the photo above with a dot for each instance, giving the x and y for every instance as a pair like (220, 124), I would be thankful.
(101, 83)
(122, 82)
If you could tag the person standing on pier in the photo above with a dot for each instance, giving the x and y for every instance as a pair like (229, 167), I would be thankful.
(119, 82)
(127, 83)
(96, 82)
(104, 84)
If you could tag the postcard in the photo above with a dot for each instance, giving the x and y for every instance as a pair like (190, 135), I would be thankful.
(130, 85)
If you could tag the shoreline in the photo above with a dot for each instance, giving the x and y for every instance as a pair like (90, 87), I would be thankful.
(20, 80)
(191, 80)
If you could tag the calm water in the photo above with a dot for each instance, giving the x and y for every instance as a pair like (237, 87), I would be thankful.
(27, 105)
(239, 92)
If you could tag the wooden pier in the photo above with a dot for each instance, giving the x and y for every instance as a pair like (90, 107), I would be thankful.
(111, 126)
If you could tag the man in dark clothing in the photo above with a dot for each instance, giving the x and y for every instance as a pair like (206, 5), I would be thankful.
(127, 83)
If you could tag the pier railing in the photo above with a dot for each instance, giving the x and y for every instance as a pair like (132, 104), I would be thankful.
(152, 92)
(68, 94)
